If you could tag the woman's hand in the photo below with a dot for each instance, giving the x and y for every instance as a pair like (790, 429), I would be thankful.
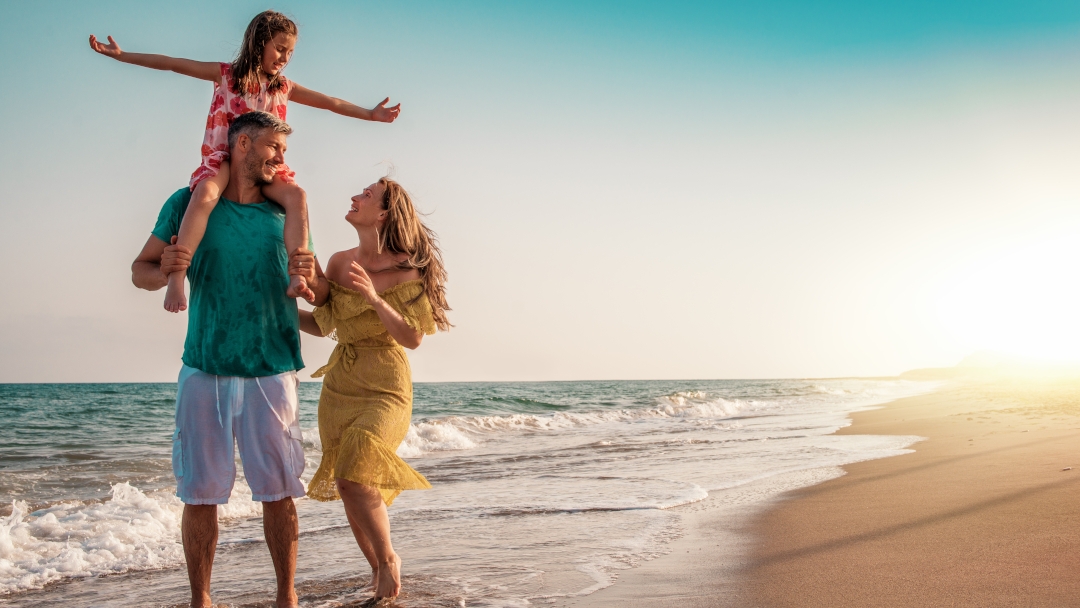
(362, 282)
(395, 324)
(109, 50)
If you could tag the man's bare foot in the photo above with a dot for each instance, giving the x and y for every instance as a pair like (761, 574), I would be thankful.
(298, 288)
(287, 599)
(175, 299)
(388, 579)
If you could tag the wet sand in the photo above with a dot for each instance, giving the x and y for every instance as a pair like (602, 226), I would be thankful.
(982, 513)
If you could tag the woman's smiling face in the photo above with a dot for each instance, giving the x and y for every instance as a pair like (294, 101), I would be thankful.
(367, 207)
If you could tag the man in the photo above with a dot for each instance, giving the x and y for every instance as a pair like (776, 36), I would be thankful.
(238, 381)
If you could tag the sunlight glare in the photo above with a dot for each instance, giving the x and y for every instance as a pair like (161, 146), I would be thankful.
(1023, 301)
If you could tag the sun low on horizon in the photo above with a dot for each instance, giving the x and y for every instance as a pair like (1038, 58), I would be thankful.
(1019, 299)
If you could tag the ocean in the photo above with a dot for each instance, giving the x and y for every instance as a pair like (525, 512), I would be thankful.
(543, 491)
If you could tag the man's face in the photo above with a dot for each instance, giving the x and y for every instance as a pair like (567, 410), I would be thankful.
(262, 156)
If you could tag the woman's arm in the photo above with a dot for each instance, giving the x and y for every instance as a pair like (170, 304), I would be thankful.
(393, 321)
(315, 99)
(308, 324)
(204, 70)
(396, 325)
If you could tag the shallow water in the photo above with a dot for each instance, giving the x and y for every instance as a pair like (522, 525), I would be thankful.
(542, 491)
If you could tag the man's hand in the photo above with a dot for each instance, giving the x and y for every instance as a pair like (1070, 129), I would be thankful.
(302, 264)
(175, 258)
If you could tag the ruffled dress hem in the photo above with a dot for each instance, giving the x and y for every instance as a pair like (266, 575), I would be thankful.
(363, 458)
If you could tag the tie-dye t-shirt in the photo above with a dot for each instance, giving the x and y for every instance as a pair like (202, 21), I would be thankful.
(240, 322)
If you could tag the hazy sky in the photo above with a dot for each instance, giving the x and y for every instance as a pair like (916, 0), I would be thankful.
(622, 189)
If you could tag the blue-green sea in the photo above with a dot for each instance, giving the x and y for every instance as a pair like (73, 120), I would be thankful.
(542, 491)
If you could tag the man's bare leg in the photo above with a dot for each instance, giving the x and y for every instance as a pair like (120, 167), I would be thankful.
(282, 530)
(365, 506)
(199, 531)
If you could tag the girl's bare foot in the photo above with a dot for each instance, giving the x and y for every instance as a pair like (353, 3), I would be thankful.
(388, 578)
(175, 299)
(298, 288)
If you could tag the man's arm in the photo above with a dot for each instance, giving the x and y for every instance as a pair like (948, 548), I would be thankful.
(151, 269)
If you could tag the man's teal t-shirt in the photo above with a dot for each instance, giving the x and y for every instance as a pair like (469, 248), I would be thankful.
(240, 322)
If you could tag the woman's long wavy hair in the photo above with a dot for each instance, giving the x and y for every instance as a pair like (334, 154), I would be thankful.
(248, 63)
(404, 232)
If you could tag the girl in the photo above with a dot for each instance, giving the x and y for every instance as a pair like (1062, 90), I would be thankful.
(252, 82)
(385, 293)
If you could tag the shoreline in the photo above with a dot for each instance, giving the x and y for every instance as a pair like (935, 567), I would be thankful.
(704, 567)
(983, 512)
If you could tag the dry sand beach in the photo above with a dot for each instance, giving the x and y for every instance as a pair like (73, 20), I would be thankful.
(984, 512)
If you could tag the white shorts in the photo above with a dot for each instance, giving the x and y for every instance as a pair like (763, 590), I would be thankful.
(261, 415)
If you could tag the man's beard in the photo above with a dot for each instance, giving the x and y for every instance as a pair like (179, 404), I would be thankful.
(254, 168)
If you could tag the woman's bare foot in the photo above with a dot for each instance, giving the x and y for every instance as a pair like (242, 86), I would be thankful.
(175, 299)
(298, 288)
(388, 578)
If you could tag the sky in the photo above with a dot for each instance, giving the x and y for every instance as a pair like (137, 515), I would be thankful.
(622, 190)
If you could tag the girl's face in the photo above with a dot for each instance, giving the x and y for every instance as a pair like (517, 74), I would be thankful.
(277, 53)
(367, 208)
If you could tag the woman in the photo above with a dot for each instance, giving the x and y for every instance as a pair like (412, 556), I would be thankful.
(384, 294)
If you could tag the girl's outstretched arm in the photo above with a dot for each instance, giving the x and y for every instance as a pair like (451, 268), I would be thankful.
(315, 99)
(204, 70)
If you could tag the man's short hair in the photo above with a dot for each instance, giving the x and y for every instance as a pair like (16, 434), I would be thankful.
(253, 123)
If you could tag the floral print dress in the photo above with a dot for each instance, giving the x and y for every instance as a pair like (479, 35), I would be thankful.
(224, 108)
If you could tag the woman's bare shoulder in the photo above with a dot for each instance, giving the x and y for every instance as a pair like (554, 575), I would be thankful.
(339, 261)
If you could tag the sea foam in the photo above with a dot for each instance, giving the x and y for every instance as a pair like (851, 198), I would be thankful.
(466, 432)
(131, 530)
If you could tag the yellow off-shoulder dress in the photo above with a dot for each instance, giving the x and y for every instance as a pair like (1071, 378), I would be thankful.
(366, 401)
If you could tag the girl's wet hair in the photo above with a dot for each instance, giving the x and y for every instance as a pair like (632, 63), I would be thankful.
(246, 67)
(404, 232)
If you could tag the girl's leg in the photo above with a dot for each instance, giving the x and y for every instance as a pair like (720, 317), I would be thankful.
(294, 200)
(192, 228)
(365, 505)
